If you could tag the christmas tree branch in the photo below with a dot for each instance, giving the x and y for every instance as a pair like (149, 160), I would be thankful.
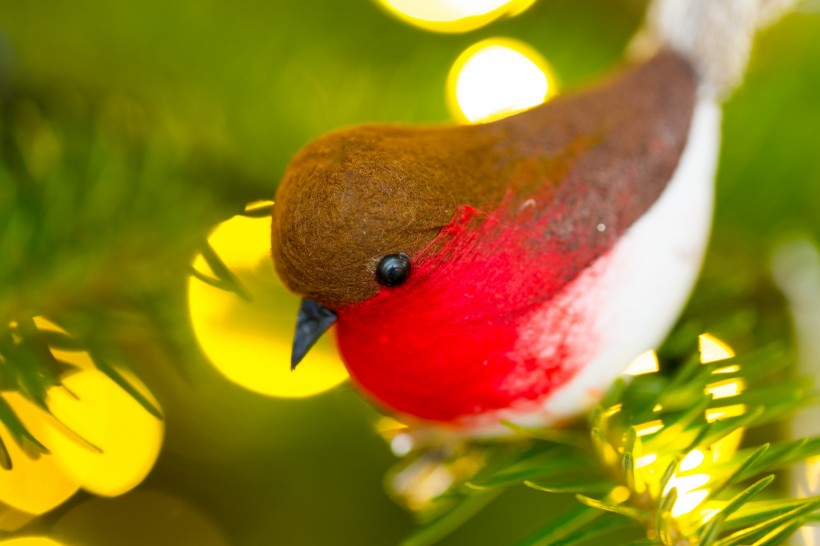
(662, 455)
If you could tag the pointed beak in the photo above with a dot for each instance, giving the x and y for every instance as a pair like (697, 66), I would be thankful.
(313, 321)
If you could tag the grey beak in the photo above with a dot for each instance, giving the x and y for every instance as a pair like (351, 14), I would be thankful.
(313, 321)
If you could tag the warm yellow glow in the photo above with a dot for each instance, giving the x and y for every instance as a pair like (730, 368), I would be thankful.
(520, 6)
(725, 389)
(496, 78)
(715, 414)
(30, 541)
(43, 323)
(646, 460)
(727, 446)
(644, 429)
(606, 450)
(712, 349)
(99, 436)
(688, 502)
(727, 369)
(692, 460)
(250, 342)
(646, 362)
(619, 494)
(689, 496)
(97, 410)
(79, 359)
(656, 408)
(453, 15)
(692, 489)
(387, 426)
(685, 484)
(707, 514)
(33, 485)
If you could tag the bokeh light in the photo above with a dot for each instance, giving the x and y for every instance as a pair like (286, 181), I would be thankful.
(713, 349)
(496, 78)
(646, 362)
(723, 412)
(725, 389)
(645, 461)
(98, 436)
(30, 541)
(650, 427)
(453, 15)
(688, 501)
(99, 414)
(33, 485)
(249, 342)
(692, 460)
(694, 477)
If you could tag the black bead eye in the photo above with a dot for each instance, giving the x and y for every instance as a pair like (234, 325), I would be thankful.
(393, 269)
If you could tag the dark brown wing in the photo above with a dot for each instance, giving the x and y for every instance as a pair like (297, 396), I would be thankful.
(602, 156)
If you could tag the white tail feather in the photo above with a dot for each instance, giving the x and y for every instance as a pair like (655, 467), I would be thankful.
(715, 35)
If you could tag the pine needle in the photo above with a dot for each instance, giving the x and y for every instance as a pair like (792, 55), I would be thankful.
(657, 421)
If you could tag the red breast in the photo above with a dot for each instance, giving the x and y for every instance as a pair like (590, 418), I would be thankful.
(571, 177)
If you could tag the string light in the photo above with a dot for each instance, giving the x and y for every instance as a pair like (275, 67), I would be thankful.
(725, 389)
(30, 541)
(650, 427)
(645, 461)
(734, 368)
(32, 485)
(692, 460)
(98, 436)
(496, 78)
(249, 342)
(453, 15)
(646, 362)
(113, 441)
(713, 349)
(715, 414)
(688, 501)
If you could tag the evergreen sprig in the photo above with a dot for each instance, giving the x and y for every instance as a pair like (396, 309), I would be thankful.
(661, 455)
(101, 213)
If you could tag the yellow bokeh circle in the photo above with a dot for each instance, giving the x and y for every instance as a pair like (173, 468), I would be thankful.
(250, 342)
(30, 541)
(97, 413)
(98, 437)
(453, 15)
(38, 484)
(496, 78)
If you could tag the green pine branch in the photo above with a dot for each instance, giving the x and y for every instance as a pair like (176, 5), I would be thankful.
(634, 466)
(101, 214)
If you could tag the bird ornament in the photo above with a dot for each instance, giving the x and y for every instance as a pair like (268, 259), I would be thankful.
(512, 270)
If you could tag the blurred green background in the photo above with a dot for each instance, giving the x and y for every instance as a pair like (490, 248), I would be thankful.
(130, 129)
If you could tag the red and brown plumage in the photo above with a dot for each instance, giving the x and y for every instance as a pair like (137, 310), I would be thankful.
(545, 250)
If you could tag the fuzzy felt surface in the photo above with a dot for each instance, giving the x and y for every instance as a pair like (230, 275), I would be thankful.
(449, 344)
(353, 196)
